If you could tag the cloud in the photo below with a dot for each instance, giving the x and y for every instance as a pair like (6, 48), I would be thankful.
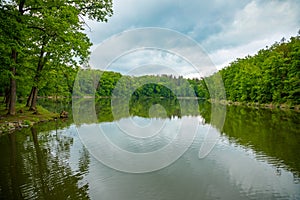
(226, 30)
(256, 26)
(222, 57)
(199, 19)
(151, 46)
(152, 61)
(257, 21)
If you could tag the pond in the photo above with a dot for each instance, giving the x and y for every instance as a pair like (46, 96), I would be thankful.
(154, 149)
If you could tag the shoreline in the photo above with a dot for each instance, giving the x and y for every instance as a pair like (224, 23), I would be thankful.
(270, 106)
(24, 118)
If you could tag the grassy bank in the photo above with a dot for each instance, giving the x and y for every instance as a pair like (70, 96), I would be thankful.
(23, 117)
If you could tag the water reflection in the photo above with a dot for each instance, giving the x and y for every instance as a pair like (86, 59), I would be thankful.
(272, 135)
(39, 166)
(256, 156)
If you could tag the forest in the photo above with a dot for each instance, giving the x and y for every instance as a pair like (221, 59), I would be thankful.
(270, 76)
(114, 84)
(43, 49)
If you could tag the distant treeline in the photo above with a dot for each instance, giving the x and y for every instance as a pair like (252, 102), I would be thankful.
(270, 76)
(113, 84)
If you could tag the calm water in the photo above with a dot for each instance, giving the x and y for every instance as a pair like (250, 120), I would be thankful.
(250, 154)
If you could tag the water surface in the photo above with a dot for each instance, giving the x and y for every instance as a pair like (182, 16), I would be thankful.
(256, 155)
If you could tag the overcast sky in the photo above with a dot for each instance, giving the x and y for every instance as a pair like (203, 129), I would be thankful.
(225, 29)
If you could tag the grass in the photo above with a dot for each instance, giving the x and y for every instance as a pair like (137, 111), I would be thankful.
(23, 113)
(24, 116)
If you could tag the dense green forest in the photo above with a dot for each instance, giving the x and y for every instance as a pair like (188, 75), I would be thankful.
(270, 76)
(113, 84)
(43, 49)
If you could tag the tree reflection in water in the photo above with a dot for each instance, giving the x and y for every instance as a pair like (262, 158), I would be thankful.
(42, 163)
(40, 166)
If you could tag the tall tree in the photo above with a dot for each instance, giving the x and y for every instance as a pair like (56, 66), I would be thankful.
(54, 35)
(12, 28)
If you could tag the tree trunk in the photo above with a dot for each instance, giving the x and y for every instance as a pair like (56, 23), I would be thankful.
(29, 99)
(34, 98)
(7, 96)
(13, 94)
(13, 85)
(40, 66)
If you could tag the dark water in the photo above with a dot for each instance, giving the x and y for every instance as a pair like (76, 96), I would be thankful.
(245, 154)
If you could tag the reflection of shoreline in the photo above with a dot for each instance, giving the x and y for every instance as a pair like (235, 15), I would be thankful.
(115, 97)
(267, 132)
(270, 106)
(266, 136)
(270, 131)
(191, 98)
(37, 164)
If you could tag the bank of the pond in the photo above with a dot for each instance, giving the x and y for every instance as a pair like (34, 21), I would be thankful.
(23, 118)
(258, 105)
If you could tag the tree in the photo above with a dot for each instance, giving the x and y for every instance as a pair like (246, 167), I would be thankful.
(11, 30)
(47, 32)
(270, 76)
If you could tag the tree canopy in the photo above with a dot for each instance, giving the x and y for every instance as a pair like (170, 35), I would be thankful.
(270, 76)
(41, 38)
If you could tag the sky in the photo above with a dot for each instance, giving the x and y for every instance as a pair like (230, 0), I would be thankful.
(225, 30)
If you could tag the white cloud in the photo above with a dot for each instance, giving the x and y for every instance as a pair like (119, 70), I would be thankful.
(222, 57)
(256, 22)
(152, 61)
(151, 46)
(256, 26)
(226, 29)
(203, 17)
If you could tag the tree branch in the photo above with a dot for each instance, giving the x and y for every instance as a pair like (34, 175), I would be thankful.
(90, 29)
(38, 28)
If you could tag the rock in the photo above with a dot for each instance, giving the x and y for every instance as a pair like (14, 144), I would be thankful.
(64, 114)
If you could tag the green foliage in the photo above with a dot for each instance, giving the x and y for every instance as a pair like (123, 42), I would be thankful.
(47, 36)
(270, 76)
(48, 41)
(107, 83)
(113, 84)
(27, 122)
